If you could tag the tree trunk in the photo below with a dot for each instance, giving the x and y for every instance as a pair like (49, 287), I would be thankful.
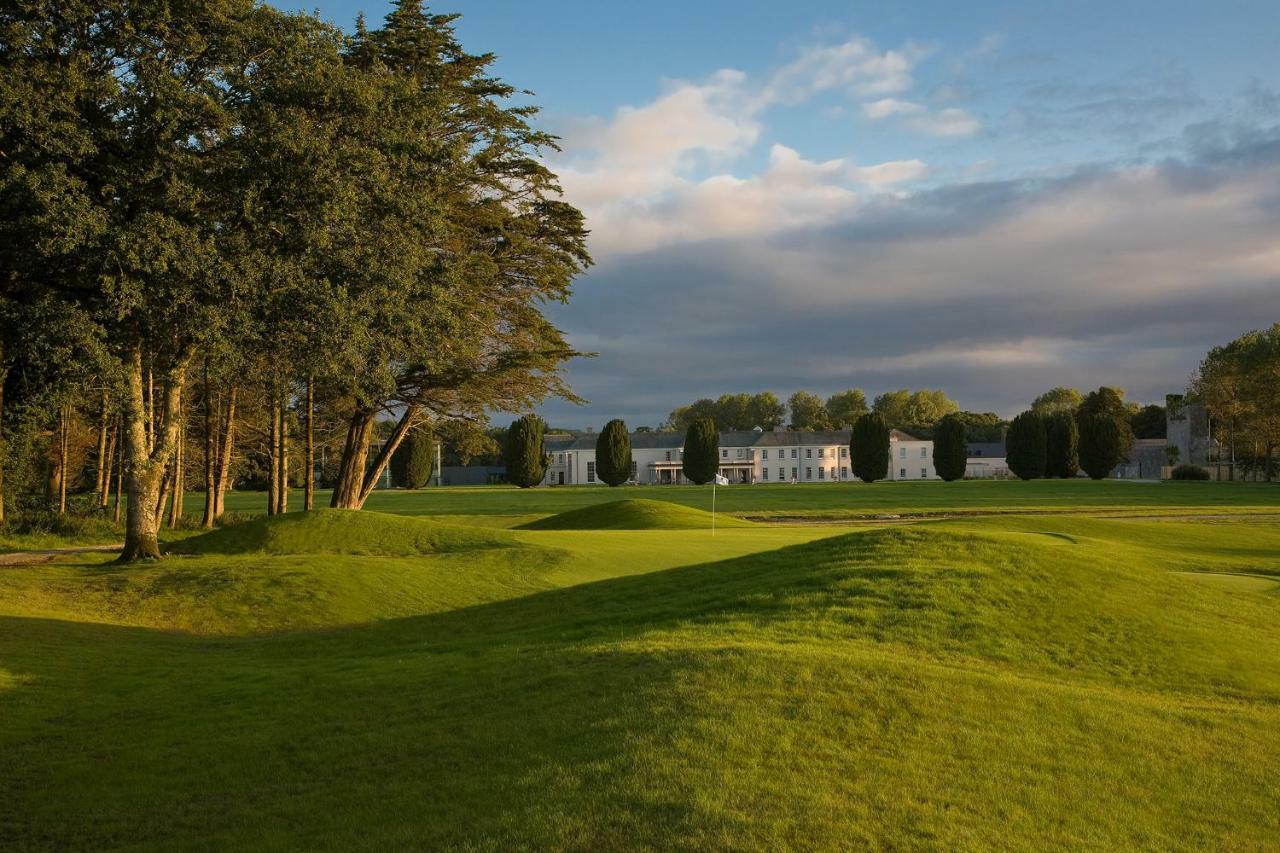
(179, 463)
(146, 469)
(210, 450)
(309, 478)
(119, 471)
(63, 441)
(273, 459)
(104, 460)
(226, 447)
(355, 456)
(282, 457)
(104, 494)
(406, 422)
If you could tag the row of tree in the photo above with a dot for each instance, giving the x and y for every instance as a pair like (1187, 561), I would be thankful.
(220, 220)
(808, 411)
(1059, 441)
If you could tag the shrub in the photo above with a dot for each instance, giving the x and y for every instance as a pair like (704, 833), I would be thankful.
(525, 454)
(1026, 446)
(412, 462)
(613, 454)
(1102, 444)
(950, 452)
(1189, 472)
(869, 448)
(1062, 445)
(701, 451)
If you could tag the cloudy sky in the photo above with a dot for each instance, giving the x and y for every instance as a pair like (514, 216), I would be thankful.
(989, 198)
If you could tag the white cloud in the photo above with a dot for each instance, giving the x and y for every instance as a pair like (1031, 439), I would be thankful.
(951, 121)
(856, 66)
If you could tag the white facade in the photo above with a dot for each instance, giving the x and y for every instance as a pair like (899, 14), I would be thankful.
(781, 456)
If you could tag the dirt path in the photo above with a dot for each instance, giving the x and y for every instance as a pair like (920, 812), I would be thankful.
(27, 558)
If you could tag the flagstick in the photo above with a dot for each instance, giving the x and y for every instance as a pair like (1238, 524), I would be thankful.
(713, 507)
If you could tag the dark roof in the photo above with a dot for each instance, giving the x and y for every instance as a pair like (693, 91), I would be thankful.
(986, 449)
(899, 435)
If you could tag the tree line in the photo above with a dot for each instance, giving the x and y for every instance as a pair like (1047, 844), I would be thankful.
(233, 238)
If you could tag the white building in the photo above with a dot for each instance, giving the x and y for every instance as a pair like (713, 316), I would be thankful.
(756, 456)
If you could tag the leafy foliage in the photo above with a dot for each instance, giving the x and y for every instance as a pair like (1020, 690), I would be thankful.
(613, 454)
(1026, 446)
(869, 448)
(845, 407)
(1102, 444)
(904, 408)
(1189, 472)
(414, 459)
(808, 411)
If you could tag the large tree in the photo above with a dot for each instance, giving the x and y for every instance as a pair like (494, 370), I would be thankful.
(1240, 385)
(904, 408)
(701, 458)
(1102, 444)
(461, 237)
(1109, 402)
(950, 450)
(1060, 399)
(613, 454)
(845, 407)
(1026, 450)
(808, 411)
(869, 448)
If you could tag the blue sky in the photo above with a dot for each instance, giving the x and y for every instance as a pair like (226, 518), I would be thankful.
(990, 198)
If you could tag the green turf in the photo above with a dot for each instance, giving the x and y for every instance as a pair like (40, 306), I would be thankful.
(1016, 683)
(634, 514)
(816, 500)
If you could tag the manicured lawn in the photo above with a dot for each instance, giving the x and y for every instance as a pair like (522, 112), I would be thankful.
(831, 500)
(352, 682)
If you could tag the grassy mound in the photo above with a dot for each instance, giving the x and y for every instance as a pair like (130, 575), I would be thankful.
(634, 514)
(336, 531)
(1019, 684)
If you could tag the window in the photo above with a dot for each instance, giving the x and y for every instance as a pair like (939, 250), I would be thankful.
(844, 473)
(724, 454)
(793, 473)
(924, 452)
(902, 473)
(833, 472)
(633, 469)
(822, 473)
(764, 454)
(844, 453)
(793, 453)
(782, 473)
(902, 453)
(924, 473)
(740, 453)
(668, 455)
(560, 458)
(765, 474)
(591, 472)
(808, 453)
(819, 452)
(808, 473)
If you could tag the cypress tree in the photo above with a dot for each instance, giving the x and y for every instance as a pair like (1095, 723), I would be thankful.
(1026, 450)
(1062, 442)
(1102, 444)
(869, 448)
(525, 454)
(950, 452)
(701, 451)
(613, 453)
(412, 462)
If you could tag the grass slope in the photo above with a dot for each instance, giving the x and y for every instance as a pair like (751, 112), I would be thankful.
(634, 514)
(1014, 683)
(833, 500)
(336, 531)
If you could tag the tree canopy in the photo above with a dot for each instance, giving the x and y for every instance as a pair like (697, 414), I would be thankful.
(613, 454)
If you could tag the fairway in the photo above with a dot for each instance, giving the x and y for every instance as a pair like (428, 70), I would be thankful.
(375, 681)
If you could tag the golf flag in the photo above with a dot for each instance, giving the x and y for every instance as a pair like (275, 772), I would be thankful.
(721, 480)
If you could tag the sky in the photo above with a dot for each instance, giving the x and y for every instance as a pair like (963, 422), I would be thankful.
(988, 198)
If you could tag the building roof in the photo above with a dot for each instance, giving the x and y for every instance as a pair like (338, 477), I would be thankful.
(985, 449)
(899, 435)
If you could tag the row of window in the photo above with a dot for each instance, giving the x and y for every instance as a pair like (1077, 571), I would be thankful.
(924, 452)
(823, 473)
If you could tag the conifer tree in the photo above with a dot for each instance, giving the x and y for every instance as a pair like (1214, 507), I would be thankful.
(869, 448)
(1062, 441)
(525, 454)
(613, 454)
(1026, 447)
(1102, 444)
(701, 451)
(950, 451)
(413, 460)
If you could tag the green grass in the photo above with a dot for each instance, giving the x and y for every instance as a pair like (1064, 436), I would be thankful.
(634, 514)
(828, 501)
(1033, 682)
